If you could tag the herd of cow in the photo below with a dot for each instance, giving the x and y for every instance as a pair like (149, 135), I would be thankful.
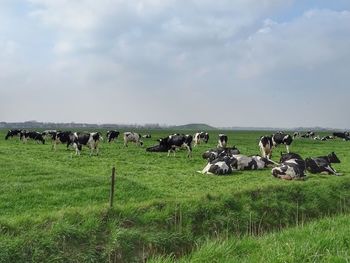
(222, 160)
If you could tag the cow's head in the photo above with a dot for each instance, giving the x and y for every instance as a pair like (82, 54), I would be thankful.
(332, 158)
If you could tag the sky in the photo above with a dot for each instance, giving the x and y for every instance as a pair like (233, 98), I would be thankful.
(248, 63)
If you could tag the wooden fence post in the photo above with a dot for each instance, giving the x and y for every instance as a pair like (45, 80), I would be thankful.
(111, 194)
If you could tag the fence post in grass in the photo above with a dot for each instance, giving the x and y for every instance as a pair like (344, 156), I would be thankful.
(111, 194)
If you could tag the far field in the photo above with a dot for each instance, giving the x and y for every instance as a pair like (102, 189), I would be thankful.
(54, 205)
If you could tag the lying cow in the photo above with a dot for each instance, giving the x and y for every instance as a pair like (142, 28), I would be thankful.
(212, 154)
(222, 142)
(290, 169)
(289, 156)
(12, 133)
(343, 135)
(147, 136)
(170, 143)
(112, 135)
(37, 136)
(132, 137)
(322, 164)
(220, 166)
(199, 137)
(254, 162)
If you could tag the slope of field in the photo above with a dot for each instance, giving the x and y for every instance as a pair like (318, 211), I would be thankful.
(326, 240)
(54, 205)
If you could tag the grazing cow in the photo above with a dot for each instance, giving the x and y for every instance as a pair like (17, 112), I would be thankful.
(90, 139)
(290, 169)
(220, 166)
(200, 136)
(147, 136)
(222, 142)
(322, 164)
(111, 135)
(343, 135)
(12, 133)
(37, 136)
(282, 138)
(49, 134)
(212, 154)
(170, 143)
(254, 162)
(66, 137)
(132, 137)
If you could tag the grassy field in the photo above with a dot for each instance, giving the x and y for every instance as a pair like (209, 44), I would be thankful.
(54, 205)
(326, 240)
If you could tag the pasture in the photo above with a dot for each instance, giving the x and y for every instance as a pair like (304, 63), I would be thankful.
(54, 205)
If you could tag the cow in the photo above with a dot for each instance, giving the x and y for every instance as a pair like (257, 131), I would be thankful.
(91, 139)
(49, 134)
(267, 143)
(12, 133)
(112, 135)
(212, 154)
(328, 137)
(308, 134)
(66, 137)
(290, 169)
(132, 137)
(220, 166)
(222, 142)
(288, 156)
(343, 135)
(199, 137)
(296, 134)
(147, 136)
(254, 162)
(322, 164)
(37, 136)
(170, 143)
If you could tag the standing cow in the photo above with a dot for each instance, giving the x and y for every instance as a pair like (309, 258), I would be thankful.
(12, 133)
(132, 137)
(199, 137)
(222, 141)
(112, 135)
(267, 143)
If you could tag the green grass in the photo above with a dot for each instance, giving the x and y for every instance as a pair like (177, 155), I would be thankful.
(326, 240)
(54, 205)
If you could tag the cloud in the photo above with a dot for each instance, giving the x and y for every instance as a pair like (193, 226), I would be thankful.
(221, 62)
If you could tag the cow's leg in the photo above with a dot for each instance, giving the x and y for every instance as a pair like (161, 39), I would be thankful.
(287, 147)
(169, 152)
(330, 170)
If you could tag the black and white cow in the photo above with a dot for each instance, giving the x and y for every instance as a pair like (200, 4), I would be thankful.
(212, 154)
(220, 166)
(343, 135)
(170, 143)
(288, 156)
(147, 136)
(64, 137)
(90, 139)
(112, 135)
(296, 134)
(308, 134)
(267, 143)
(199, 137)
(322, 164)
(37, 136)
(254, 162)
(290, 169)
(222, 142)
(326, 138)
(49, 134)
(12, 133)
(132, 137)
